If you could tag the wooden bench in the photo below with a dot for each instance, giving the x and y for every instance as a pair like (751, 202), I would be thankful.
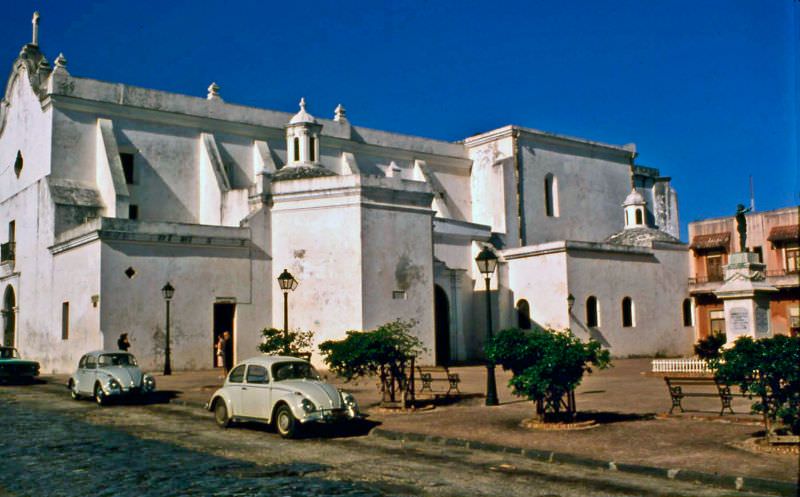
(430, 377)
(677, 390)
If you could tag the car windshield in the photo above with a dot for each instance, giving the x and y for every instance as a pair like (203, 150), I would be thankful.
(9, 353)
(117, 360)
(295, 370)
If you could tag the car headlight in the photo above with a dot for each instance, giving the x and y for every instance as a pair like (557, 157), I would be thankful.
(348, 400)
(149, 382)
(308, 406)
(114, 385)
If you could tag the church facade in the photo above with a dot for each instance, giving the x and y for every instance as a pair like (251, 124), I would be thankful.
(110, 191)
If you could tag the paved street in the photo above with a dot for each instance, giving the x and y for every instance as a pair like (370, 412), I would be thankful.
(60, 447)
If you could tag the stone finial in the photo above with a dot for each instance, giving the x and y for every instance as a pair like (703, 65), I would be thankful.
(213, 92)
(340, 115)
(61, 61)
(35, 22)
(44, 65)
(302, 103)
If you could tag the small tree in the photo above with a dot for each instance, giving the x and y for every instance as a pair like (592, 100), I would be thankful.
(293, 343)
(708, 348)
(546, 365)
(386, 351)
(769, 370)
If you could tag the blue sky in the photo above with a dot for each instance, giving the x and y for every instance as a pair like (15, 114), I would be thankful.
(707, 90)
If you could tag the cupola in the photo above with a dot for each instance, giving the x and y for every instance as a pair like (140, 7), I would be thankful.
(302, 138)
(634, 210)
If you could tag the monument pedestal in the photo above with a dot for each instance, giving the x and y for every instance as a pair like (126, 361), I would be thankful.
(745, 295)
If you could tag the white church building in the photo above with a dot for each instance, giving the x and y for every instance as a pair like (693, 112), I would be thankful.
(110, 191)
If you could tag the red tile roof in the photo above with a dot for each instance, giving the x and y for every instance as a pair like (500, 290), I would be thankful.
(710, 241)
(790, 232)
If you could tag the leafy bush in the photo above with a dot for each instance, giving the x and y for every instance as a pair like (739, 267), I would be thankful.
(385, 351)
(768, 369)
(708, 348)
(547, 365)
(292, 343)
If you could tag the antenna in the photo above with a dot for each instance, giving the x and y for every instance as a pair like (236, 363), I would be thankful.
(752, 196)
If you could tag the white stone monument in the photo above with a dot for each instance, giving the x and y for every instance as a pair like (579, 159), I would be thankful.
(745, 294)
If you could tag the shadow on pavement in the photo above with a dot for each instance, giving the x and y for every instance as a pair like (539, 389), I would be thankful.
(344, 429)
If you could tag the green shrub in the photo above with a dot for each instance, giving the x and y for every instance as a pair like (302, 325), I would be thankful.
(769, 370)
(708, 348)
(292, 343)
(385, 351)
(546, 365)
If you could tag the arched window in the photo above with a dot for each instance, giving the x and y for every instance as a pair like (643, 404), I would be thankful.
(592, 312)
(639, 219)
(523, 315)
(296, 149)
(687, 312)
(550, 195)
(18, 164)
(627, 312)
(311, 157)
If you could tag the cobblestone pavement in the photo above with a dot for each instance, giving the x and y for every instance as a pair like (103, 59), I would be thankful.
(55, 446)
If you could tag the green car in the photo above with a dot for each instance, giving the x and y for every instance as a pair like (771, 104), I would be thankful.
(12, 368)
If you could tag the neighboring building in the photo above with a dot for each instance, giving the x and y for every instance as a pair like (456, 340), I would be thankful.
(774, 236)
(111, 191)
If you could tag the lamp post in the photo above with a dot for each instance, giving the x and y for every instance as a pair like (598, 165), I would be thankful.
(286, 282)
(487, 262)
(167, 291)
(570, 303)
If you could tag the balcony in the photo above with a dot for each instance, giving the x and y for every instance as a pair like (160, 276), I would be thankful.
(783, 278)
(7, 252)
(705, 283)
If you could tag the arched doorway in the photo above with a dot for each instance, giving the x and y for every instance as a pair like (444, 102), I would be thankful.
(9, 318)
(441, 315)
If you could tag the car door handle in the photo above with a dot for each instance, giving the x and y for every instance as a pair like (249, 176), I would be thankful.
(244, 388)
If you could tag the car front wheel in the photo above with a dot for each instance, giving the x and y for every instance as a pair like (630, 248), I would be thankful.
(221, 414)
(99, 395)
(285, 422)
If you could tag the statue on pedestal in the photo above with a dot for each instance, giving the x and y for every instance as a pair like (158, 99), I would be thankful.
(741, 226)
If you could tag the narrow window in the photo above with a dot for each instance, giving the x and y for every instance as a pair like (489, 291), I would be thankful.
(65, 320)
(18, 164)
(311, 155)
(550, 195)
(792, 254)
(12, 231)
(758, 251)
(627, 312)
(639, 219)
(127, 167)
(592, 312)
(714, 267)
(687, 312)
(296, 149)
(133, 211)
(523, 315)
(716, 321)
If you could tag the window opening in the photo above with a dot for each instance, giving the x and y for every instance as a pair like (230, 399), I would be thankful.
(627, 312)
(592, 312)
(127, 167)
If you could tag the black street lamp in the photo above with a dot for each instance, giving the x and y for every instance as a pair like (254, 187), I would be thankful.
(167, 291)
(487, 262)
(570, 302)
(286, 282)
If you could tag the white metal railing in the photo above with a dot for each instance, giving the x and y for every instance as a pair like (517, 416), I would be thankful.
(680, 366)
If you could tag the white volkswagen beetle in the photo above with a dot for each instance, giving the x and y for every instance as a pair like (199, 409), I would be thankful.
(284, 391)
(106, 374)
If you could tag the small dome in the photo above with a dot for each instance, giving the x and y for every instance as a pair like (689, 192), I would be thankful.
(634, 198)
(303, 117)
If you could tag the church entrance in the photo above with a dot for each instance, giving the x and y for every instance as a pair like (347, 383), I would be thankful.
(9, 317)
(441, 315)
(224, 313)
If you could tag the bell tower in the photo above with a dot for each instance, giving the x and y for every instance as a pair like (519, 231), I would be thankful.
(302, 138)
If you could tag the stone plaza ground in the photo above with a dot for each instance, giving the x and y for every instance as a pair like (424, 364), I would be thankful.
(177, 447)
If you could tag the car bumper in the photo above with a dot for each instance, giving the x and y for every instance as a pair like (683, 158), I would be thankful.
(331, 416)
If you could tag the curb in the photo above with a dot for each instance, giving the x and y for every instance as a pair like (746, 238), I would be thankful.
(749, 484)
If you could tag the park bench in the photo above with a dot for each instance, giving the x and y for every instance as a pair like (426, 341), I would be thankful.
(678, 390)
(434, 379)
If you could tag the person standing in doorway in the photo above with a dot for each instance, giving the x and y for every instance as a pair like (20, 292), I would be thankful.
(219, 351)
(123, 343)
(227, 351)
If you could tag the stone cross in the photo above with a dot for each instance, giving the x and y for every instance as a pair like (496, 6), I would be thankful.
(35, 22)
